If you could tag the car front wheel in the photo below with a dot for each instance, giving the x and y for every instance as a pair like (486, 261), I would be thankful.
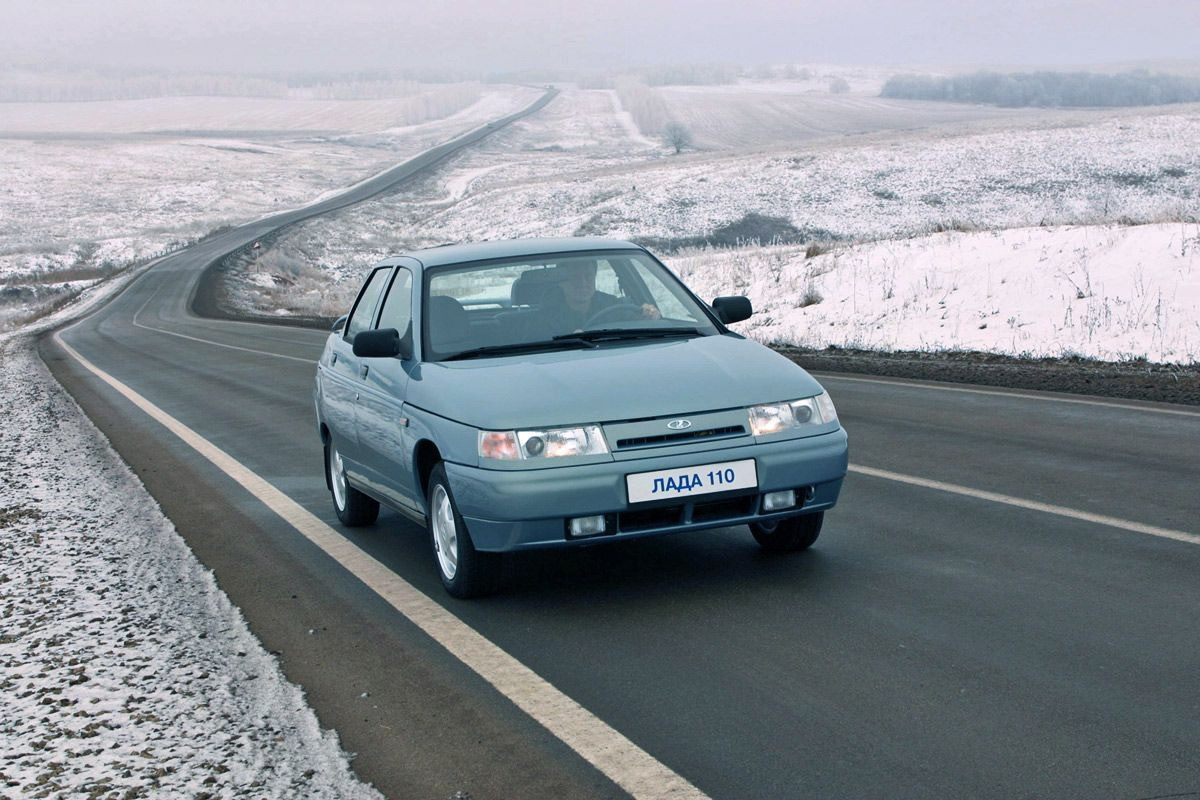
(353, 507)
(465, 571)
(789, 534)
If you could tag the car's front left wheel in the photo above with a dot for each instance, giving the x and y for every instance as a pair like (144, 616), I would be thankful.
(353, 507)
(465, 571)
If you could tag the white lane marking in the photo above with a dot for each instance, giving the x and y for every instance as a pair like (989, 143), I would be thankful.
(144, 327)
(1032, 505)
(222, 344)
(622, 761)
(1021, 395)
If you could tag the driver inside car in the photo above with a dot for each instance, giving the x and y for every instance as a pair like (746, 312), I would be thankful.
(581, 301)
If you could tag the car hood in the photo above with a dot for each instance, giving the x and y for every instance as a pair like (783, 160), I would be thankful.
(615, 381)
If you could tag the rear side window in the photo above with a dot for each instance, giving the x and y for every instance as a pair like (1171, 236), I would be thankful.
(368, 299)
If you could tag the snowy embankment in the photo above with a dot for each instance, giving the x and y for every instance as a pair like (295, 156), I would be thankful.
(1113, 293)
(123, 667)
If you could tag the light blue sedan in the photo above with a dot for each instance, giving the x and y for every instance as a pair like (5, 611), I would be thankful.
(557, 392)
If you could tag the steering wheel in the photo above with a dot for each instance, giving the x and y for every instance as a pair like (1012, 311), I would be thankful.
(623, 310)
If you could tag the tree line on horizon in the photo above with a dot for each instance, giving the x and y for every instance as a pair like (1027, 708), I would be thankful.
(1047, 89)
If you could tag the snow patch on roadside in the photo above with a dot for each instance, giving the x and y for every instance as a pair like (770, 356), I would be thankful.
(123, 667)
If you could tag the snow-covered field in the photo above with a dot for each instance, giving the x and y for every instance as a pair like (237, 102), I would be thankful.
(1081, 179)
(124, 670)
(1107, 292)
(85, 205)
(1133, 168)
(754, 115)
(287, 114)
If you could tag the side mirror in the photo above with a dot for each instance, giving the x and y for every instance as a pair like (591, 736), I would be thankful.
(732, 309)
(340, 323)
(383, 343)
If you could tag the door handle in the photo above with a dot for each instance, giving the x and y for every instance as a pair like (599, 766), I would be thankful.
(333, 359)
(366, 368)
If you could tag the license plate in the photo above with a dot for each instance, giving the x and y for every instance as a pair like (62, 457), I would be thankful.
(665, 484)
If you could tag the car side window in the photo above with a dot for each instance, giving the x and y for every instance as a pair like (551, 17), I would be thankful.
(664, 296)
(397, 306)
(368, 299)
(606, 278)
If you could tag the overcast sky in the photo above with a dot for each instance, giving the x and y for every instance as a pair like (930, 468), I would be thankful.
(341, 35)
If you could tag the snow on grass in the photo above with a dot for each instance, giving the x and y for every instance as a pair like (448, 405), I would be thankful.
(1099, 169)
(1109, 292)
(124, 670)
(314, 269)
(752, 114)
(1135, 168)
(20, 303)
(461, 181)
(100, 203)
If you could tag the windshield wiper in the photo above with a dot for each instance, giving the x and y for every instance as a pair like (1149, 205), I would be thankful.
(521, 347)
(616, 334)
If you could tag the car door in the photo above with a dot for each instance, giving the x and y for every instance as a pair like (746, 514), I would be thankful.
(382, 427)
(342, 379)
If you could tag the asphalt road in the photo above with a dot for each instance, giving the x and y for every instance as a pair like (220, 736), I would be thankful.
(932, 644)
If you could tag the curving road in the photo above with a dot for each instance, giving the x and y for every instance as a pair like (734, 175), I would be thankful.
(1003, 605)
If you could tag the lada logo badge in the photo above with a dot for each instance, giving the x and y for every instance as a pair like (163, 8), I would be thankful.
(679, 424)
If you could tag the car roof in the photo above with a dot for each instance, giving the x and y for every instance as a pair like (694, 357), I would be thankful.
(513, 248)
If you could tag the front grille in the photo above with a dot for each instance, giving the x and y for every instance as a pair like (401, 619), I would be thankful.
(661, 517)
(683, 436)
(701, 512)
(724, 509)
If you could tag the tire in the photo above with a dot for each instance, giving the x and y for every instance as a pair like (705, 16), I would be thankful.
(788, 535)
(465, 572)
(353, 508)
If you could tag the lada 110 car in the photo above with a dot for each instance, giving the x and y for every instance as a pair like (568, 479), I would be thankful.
(559, 392)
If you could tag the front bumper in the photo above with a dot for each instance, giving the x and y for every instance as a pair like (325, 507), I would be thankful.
(523, 509)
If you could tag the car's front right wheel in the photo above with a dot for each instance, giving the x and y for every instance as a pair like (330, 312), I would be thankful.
(789, 534)
(465, 571)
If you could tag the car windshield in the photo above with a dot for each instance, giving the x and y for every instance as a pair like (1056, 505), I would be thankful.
(557, 302)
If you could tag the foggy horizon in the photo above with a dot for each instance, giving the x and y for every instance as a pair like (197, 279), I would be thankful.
(265, 36)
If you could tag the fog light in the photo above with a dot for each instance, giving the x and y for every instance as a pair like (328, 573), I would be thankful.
(774, 501)
(586, 526)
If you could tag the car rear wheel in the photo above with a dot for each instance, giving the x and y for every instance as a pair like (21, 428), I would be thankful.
(789, 534)
(353, 507)
(465, 572)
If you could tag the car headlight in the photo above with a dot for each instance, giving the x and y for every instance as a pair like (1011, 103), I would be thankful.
(586, 440)
(779, 417)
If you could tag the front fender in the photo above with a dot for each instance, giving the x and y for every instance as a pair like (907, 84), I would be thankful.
(458, 443)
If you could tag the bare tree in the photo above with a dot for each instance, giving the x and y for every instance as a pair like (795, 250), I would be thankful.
(678, 136)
